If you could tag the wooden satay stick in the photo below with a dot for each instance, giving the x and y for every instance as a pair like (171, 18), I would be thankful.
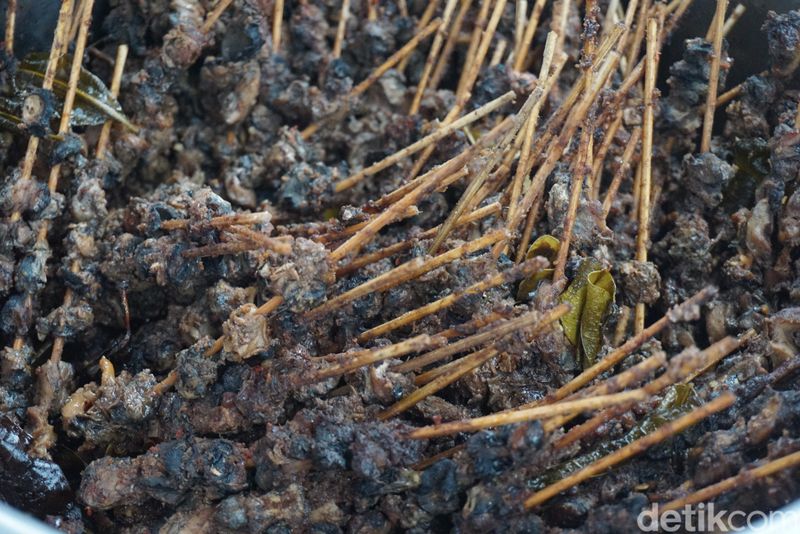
(221, 221)
(576, 188)
(641, 24)
(433, 53)
(555, 151)
(448, 453)
(470, 74)
(466, 365)
(280, 244)
(681, 367)
(102, 142)
(339, 234)
(499, 50)
(396, 248)
(515, 273)
(426, 17)
(380, 71)
(433, 181)
(529, 414)
(449, 45)
(341, 27)
(713, 79)
(408, 271)
(627, 159)
(426, 141)
(736, 14)
(520, 14)
(472, 325)
(620, 353)
(277, 25)
(66, 113)
(57, 49)
(521, 55)
(597, 164)
(525, 160)
(216, 13)
(745, 478)
(400, 192)
(474, 64)
(476, 183)
(643, 235)
(415, 344)
(495, 332)
(11, 19)
(472, 49)
(533, 215)
(393, 213)
(665, 431)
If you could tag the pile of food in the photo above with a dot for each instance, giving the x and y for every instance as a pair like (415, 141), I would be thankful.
(376, 266)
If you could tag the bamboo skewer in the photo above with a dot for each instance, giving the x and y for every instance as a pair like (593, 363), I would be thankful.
(713, 79)
(526, 269)
(529, 414)
(100, 152)
(408, 271)
(432, 54)
(501, 329)
(449, 45)
(426, 141)
(627, 160)
(683, 368)
(521, 55)
(277, 25)
(622, 352)
(11, 21)
(216, 13)
(340, 29)
(643, 236)
(466, 365)
(391, 250)
(432, 181)
(393, 60)
(741, 480)
(415, 344)
(668, 430)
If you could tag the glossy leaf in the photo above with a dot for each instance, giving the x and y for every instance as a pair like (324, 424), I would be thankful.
(93, 101)
(600, 292)
(575, 295)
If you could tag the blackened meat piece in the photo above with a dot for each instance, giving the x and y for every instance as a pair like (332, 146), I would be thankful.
(196, 371)
(35, 485)
(783, 36)
(639, 282)
(303, 280)
(704, 177)
(688, 84)
(168, 472)
(113, 415)
(306, 188)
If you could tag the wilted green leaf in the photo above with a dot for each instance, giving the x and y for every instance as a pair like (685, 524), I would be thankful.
(546, 246)
(678, 400)
(575, 295)
(590, 295)
(600, 292)
(93, 101)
